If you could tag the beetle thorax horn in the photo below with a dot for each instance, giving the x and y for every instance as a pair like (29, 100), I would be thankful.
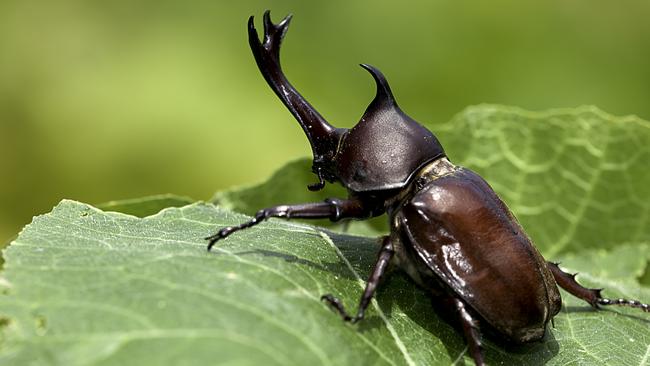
(386, 147)
(384, 98)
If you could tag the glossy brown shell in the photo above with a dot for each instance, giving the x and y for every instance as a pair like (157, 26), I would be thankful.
(467, 236)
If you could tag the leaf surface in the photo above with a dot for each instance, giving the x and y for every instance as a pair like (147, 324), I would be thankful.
(89, 287)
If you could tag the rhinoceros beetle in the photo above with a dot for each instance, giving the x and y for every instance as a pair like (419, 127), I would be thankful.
(449, 231)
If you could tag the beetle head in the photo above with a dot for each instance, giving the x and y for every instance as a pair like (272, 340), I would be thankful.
(381, 152)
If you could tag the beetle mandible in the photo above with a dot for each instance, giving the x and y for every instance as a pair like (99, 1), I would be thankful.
(449, 231)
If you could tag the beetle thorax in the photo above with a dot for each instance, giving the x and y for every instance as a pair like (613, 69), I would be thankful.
(384, 151)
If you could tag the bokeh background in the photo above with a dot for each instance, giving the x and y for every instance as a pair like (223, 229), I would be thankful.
(105, 100)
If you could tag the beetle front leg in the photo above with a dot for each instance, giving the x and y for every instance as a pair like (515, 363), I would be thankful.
(591, 295)
(333, 208)
(383, 260)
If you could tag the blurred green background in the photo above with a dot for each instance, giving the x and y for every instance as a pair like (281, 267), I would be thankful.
(104, 100)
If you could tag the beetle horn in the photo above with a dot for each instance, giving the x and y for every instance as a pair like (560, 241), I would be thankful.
(322, 136)
(384, 95)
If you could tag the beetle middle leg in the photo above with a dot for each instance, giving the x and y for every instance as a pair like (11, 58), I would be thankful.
(333, 208)
(470, 329)
(383, 260)
(593, 296)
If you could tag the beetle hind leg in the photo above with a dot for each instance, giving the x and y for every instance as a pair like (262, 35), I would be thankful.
(383, 260)
(591, 295)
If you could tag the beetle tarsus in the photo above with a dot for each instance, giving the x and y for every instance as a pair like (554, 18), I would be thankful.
(336, 304)
(624, 302)
(225, 232)
(592, 296)
(260, 216)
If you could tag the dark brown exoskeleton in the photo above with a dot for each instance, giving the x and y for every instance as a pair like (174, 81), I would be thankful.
(449, 230)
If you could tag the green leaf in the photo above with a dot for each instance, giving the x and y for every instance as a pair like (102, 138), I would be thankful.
(88, 287)
(145, 206)
(82, 286)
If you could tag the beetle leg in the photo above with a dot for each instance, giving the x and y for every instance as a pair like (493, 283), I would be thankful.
(383, 260)
(333, 208)
(591, 295)
(471, 331)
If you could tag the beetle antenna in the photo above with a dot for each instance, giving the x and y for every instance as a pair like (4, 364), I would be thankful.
(314, 187)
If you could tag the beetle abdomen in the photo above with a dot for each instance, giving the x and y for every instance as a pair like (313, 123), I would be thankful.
(467, 236)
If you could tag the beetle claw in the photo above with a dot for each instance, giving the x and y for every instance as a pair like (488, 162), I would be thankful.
(336, 304)
(356, 319)
(212, 239)
(221, 234)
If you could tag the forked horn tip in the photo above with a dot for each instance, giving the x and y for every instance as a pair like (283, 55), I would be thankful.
(286, 20)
